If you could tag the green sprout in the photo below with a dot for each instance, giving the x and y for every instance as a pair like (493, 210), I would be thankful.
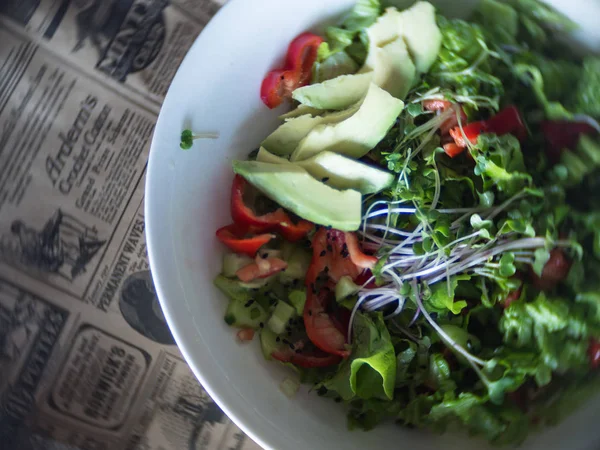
(187, 138)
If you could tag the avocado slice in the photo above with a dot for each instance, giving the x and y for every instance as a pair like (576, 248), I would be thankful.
(358, 134)
(301, 110)
(265, 156)
(421, 33)
(337, 93)
(296, 190)
(286, 138)
(393, 68)
(338, 171)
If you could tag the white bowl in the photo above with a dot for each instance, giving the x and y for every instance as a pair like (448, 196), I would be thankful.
(187, 198)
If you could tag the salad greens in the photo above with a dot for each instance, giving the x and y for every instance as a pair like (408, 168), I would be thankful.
(476, 302)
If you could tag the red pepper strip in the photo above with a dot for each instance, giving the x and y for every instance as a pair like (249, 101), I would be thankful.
(562, 134)
(301, 55)
(278, 220)
(232, 237)
(453, 150)
(305, 359)
(245, 334)
(594, 353)
(261, 268)
(356, 255)
(506, 121)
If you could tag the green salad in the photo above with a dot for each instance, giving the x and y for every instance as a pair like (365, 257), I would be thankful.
(419, 239)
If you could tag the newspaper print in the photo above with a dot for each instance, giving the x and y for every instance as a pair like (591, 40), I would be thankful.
(82, 154)
(87, 361)
(139, 43)
(124, 286)
(30, 327)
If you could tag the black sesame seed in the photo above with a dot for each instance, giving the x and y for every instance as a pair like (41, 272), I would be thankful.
(334, 238)
(286, 342)
(433, 315)
(298, 350)
(262, 325)
(338, 399)
(329, 227)
(292, 346)
(277, 339)
(323, 253)
(248, 304)
(325, 179)
(322, 391)
(310, 312)
(326, 269)
(264, 255)
(329, 248)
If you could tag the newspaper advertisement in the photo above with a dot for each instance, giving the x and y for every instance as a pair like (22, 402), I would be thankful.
(87, 361)
(137, 44)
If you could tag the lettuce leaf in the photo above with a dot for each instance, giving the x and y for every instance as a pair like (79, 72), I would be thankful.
(499, 161)
(370, 372)
(442, 297)
(587, 97)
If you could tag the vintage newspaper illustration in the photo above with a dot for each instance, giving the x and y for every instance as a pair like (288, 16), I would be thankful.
(138, 44)
(87, 360)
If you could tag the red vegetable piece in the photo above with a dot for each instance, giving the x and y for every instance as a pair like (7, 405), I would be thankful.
(261, 268)
(307, 360)
(358, 258)
(277, 220)
(245, 334)
(594, 353)
(233, 237)
(301, 55)
(321, 329)
(453, 150)
(556, 270)
(563, 134)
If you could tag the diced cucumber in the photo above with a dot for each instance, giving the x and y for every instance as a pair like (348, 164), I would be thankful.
(233, 289)
(242, 315)
(268, 342)
(232, 262)
(280, 317)
(345, 288)
(298, 263)
(298, 299)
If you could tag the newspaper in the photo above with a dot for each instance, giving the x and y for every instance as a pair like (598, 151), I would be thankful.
(87, 360)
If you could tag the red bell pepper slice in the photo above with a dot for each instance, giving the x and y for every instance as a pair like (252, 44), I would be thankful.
(506, 121)
(277, 220)
(261, 268)
(562, 134)
(233, 237)
(301, 55)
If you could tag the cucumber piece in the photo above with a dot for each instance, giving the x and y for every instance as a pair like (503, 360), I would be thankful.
(233, 289)
(280, 317)
(345, 288)
(232, 262)
(298, 299)
(268, 343)
(240, 314)
(298, 263)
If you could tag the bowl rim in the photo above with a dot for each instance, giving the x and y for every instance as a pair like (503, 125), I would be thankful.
(153, 246)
